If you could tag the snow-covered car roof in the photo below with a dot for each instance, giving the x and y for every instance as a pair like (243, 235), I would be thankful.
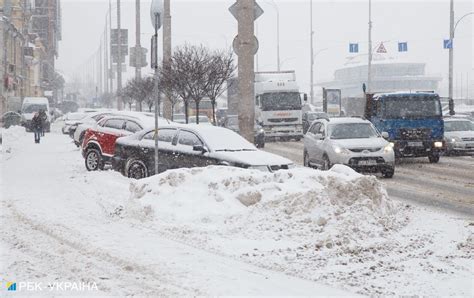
(338, 120)
(145, 120)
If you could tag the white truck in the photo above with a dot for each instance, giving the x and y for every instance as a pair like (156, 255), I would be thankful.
(278, 103)
(32, 105)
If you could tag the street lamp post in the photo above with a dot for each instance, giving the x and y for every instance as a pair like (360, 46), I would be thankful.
(156, 11)
(369, 64)
(452, 30)
(278, 32)
(311, 94)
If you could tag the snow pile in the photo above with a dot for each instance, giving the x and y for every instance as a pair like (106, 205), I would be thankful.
(10, 138)
(322, 210)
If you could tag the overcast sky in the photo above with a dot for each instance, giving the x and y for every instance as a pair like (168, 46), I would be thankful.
(423, 24)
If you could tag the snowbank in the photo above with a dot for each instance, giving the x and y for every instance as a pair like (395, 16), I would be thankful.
(10, 137)
(325, 210)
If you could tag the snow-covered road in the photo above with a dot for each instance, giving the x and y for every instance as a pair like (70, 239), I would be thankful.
(186, 233)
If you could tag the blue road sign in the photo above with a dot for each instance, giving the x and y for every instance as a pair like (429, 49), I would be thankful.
(403, 47)
(448, 43)
(353, 48)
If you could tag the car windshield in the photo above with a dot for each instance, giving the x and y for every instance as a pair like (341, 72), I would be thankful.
(279, 101)
(458, 126)
(221, 139)
(411, 107)
(352, 131)
(314, 116)
(33, 108)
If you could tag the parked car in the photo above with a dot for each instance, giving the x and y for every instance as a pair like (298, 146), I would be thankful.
(187, 146)
(310, 116)
(79, 129)
(99, 141)
(71, 119)
(10, 119)
(350, 141)
(203, 119)
(232, 122)
(459, 136)
(179, 118)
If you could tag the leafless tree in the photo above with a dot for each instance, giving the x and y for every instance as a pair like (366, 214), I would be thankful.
(149, 87)
(221, 69)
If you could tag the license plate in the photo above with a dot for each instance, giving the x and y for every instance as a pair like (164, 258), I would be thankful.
(415, 144)
(369, 162)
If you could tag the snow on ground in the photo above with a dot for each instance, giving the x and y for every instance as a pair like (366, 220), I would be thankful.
(220, 230)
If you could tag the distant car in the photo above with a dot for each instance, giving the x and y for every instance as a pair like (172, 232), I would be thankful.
(187, 146)
(459, 136)
(204, 120)
(10, 119)
(99, 141)
(71, 119)
(179, 118)
(309, 117)
(350, 141)
(232, 122)
(78, 130)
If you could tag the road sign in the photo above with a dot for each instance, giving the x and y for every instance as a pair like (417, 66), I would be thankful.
(257, 11)
(353, 48)
(237, 45)
(381, 48)
(141, 59)
(123, 36)
(156, 8)
(448, 43)
(114, 50)
(402, 47)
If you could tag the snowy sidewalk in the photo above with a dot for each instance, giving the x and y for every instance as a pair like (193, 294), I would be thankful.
(56, 226)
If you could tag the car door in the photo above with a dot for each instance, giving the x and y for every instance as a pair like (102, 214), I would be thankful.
(167, 157)
(108, 133)
(187, 157)
(310, 141)
(319, 149)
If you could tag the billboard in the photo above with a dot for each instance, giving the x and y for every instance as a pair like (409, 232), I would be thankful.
(332, 101)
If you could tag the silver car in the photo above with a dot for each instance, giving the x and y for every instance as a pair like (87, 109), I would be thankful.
(350, 141)
(459, 136)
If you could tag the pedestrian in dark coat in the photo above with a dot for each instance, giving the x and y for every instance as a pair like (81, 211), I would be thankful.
(44, 119)
(37, 127)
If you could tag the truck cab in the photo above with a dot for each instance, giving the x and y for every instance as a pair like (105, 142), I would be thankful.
(413, 121)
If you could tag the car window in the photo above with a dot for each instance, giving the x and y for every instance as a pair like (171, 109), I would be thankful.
(188, 139)
(164, 135)
(114, 123)
(132, 126)
(321, 130)
(315, 128)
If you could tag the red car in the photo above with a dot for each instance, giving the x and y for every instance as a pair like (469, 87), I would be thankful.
(98, 145)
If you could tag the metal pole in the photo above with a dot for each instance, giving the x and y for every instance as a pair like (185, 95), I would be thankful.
(246, 107)
(167, 108)
(157, 92)
(369, 65)
(119, 60)
(311, 95)
(278, 37)
(110, 53)
(256, 55)
(138, 73)
(106, 58)
(451, 57)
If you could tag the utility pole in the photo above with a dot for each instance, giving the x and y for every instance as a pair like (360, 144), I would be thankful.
(119, 60)
(138, 72)
(369, 65)
(111, 75)
(246, 108)
(451, 58)
(106, 58)
(311, 94)
(167, 108)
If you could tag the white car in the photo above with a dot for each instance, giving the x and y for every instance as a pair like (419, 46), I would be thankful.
(350, 141)
(71, 119)
(459, 136)
(204, 120)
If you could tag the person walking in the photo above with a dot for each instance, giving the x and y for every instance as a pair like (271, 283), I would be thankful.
(36, 125)
(44, 119)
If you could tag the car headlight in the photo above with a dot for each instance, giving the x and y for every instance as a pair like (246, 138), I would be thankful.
(260, 168)
(454, 139)
(388, 148)
(438, 144)
(339, 150)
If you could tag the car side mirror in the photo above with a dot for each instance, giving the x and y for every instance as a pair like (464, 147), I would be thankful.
(199, 148)
(385, 135)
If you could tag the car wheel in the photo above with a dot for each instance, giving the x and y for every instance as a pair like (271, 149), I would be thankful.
(326, 163)
(136, 169)
(388, 172)
(433, 158)
(306, 159)
(94, 160)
